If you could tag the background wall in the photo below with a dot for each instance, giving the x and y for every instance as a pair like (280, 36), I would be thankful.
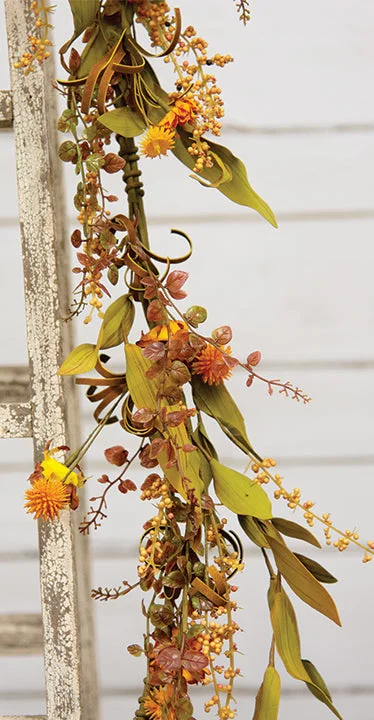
(300, 113)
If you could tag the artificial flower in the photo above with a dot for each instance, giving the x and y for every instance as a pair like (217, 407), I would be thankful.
(157, 141)
(210, 364)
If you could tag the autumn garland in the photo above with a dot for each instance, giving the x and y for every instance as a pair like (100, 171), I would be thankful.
(188, 555)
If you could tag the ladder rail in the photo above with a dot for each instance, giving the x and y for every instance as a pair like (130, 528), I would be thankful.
(64, 568)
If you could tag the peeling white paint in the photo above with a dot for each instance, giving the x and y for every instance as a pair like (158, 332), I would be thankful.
(15, 420)
(64, 567)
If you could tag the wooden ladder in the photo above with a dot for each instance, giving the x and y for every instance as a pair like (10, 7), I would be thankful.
(36, 402)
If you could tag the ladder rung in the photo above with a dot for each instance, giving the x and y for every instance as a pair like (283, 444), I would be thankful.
(15, 420)
(6, 109)
(14, 384)
(21, 634)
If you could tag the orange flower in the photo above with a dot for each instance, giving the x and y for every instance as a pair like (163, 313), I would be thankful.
(158, 706)
(181, 112)
(211, 365)
(47, 497)
(157, 141)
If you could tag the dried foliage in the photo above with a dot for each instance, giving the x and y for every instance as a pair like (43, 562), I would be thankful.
(174, 373)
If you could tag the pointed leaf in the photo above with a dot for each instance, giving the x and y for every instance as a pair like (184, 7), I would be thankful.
(117, 322)
(84, 13)
(189, 463)
(254, 531)
(216, 401)
(237, 188)
(124, 121)
(268, 696)
(319, 688)
(302, 582)
(238, 493)
(286, 634)
(143, 390)
(319, 572)
(292, 529)
(287, 641)
(82, 359)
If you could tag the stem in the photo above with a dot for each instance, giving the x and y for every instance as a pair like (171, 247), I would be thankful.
(133, 186)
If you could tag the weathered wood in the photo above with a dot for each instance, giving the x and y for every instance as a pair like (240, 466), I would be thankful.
(14, 384)
(15, 420)
(66, 608)
(23, 717)
(21, 634)
(6, 109)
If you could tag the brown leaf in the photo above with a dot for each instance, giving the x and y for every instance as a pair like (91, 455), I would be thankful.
(116, 455)
(76, 238)
(194, 661)
(156, 446)
(174, 282)
(113, 163)
(170, 658)
(254, 358)
(145, 458)
(144, 416)
(173, 419)
(222, 335)
(155, 351)
(155, 312)
(74, 60)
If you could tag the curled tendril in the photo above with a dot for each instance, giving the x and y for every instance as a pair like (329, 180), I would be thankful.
(168, 260)
(173, 44)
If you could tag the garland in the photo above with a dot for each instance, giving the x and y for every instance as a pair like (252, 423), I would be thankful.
(174, 374)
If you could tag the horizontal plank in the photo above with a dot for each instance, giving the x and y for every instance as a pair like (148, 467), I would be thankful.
(302, 178)
(15, 420)
(23, 717)
(6, 109)
(14, 383)
(301, 704)
(21, 634)
(295, 71)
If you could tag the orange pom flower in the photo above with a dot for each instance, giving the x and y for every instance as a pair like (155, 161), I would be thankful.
(181, 112)
(157, 141)
(47, 497)
(211, 365)
(158, 705)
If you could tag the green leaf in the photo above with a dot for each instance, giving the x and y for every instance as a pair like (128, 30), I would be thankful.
(292, 529)
(286, 634)
(237, 188)
(268, 696)
(84, 14)
(254, 531)
(238, 493)
(187, 476)
(287, 641)
(318, 687)
(117, 322)
(124, 121)
(142, 389)
(82, 359)
(319, 572)
(216, 401)
(302, 582)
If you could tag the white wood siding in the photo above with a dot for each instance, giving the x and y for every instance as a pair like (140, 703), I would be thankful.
(307, 302)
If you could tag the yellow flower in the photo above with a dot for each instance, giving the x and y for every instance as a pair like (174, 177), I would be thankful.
(47, 497)
(157, 141)
(210, 364)
(53, 468)
(158, 706)
(162, 332)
